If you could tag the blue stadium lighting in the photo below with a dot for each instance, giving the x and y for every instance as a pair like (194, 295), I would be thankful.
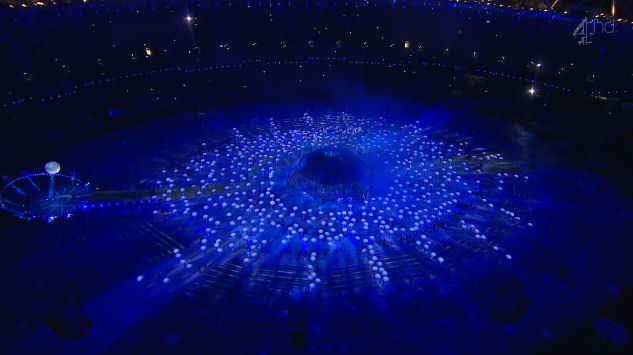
(316, 176)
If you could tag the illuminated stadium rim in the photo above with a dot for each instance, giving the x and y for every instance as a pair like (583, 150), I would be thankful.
(468, 4)
(310, 60)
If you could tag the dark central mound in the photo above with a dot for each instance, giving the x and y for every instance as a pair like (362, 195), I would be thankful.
(330, 173)
(331, 166)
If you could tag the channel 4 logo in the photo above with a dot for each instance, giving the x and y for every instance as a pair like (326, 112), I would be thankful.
(587, 28)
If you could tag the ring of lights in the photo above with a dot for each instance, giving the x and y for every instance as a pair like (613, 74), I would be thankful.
(43, 195)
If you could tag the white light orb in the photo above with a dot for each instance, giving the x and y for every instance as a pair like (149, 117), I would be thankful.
(52, 167)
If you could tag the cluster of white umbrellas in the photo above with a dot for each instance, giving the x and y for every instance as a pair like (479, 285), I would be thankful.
(238, 196)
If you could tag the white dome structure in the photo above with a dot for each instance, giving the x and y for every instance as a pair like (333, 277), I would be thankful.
(52, 167)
